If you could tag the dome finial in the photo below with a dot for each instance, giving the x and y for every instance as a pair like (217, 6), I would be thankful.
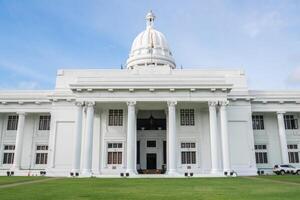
(150, 17)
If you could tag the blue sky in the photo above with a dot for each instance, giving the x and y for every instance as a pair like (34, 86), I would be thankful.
(37, 37)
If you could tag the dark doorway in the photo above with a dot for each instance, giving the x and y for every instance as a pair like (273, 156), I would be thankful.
(151, 120)
(165, 152)
(151, 160)
(138, 152)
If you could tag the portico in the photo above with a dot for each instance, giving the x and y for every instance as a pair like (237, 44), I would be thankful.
(172, 163)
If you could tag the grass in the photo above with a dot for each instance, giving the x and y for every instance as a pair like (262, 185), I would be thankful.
(4, 180)
(287, 178)
(265, 187)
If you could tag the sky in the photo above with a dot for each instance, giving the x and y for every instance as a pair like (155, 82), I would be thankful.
(38, 37)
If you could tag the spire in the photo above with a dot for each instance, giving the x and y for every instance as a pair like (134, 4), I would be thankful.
(150, 17)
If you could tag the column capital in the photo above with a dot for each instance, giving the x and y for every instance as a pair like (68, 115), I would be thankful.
(172, 103)
(223, 103)
(280, 112)
(79, 103)
(21, 113)
(212, 103)
(90, 103)
(131, 103)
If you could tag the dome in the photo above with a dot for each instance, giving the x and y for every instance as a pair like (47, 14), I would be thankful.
(150, 48)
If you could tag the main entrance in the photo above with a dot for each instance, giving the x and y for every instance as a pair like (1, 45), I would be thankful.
(151, 160)
(151, 141)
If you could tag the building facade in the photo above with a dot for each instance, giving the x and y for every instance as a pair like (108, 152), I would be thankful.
(150, 118)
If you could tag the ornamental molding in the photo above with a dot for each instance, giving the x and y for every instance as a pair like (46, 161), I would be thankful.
(155, 86)
(21, 113)
(275, 96)
(212, 103)
(280, 112)
(125, 80)
(172, 103)
(79, 104)
(90, 103)
(131, 103)
(223, 103)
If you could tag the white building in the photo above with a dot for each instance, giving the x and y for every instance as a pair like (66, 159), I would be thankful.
(148, 118)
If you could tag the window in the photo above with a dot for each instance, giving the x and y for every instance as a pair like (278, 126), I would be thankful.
(151, 143)
(44, 122)
(114, 153)
(188, 145)
(187, 117)
(290, 122)
(12, 122)
(8, 154)
(261, 154)
(188, 153)
(293, 153)
(115, 118)
(114, 145)
(258, 122)
(41, 155)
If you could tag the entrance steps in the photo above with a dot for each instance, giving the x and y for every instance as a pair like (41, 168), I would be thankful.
(151, 171)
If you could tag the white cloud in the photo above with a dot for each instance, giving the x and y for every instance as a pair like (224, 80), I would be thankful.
(259, 24)
(294, 76)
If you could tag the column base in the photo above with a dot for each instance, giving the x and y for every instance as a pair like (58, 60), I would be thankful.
(86, 173)
(172, 172)
(227, 170)
(131, 172)
(216, 171)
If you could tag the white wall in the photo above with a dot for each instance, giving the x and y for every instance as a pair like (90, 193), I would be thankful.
(199, 133)
(241, 138)
(31, 137)
(270, 137)
(62, 138)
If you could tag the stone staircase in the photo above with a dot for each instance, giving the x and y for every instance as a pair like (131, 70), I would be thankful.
(151, 171)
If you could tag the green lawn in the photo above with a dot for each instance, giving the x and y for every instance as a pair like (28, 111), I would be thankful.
(288, 178)
(9, 180)
(266, 187)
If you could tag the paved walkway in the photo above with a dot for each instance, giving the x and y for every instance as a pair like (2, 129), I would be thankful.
(271, 180)
(27, 182)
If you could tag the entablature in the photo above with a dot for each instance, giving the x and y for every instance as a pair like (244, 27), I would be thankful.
(24, 97)
(276, 97)
(275, 101)
(151, 88)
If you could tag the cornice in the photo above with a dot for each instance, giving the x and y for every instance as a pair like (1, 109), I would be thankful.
(132, 88)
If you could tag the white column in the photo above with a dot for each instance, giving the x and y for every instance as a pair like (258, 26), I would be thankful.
(78, 136)
(131, 139)
(19, 141)
(213, 136)
(282, 138)
(225, 137)
(103, 122)
(172, 139)
(51, 143)
(88, 144)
